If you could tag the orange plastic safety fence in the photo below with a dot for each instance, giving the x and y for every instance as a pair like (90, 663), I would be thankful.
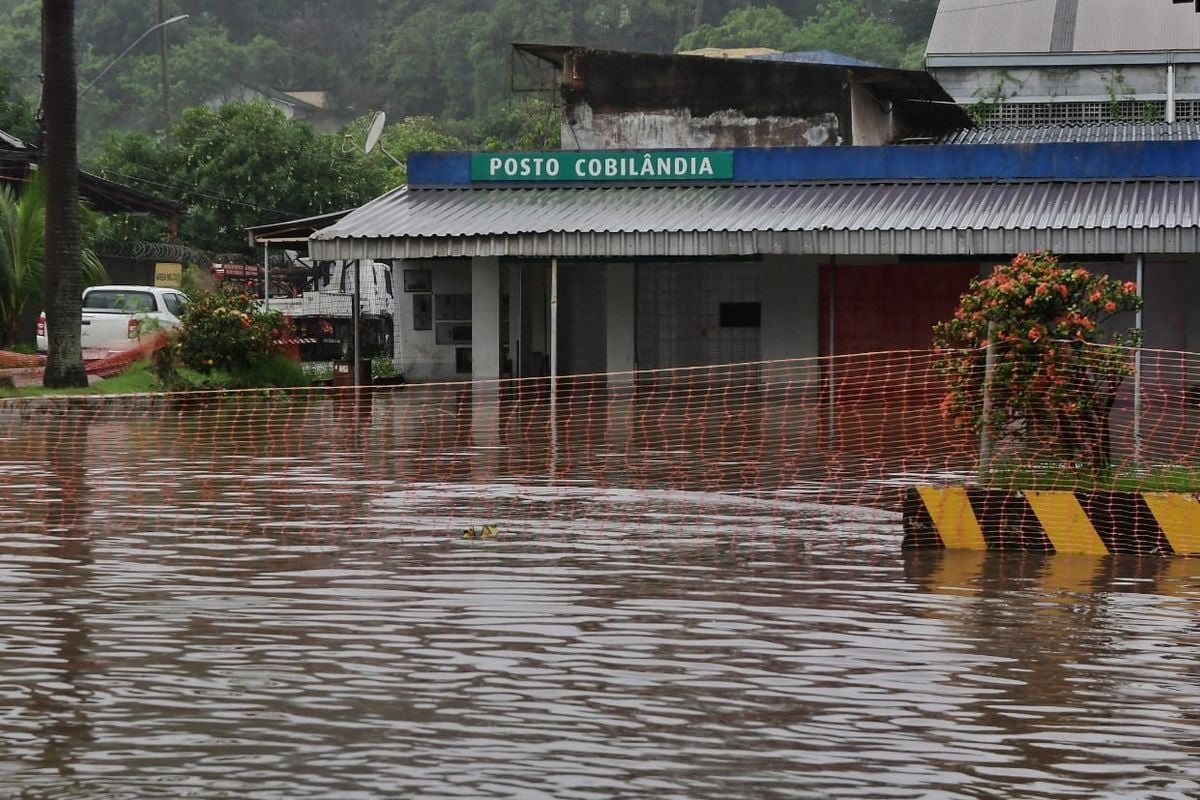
(782, 445)
(13, 360)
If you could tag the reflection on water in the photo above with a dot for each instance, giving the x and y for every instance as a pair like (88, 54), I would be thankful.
(217, 603)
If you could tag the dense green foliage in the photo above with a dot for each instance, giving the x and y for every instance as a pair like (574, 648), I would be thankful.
(1056, 370)
(227, 330)
(443, 72)
(845, 26)
(448, 60)
(22, 258)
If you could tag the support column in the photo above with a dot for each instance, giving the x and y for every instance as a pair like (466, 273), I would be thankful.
(620, 323)
(790, 296)
(516, 319)
(485, 318)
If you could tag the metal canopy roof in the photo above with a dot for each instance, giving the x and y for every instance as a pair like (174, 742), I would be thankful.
(829, 218)
(292, 230)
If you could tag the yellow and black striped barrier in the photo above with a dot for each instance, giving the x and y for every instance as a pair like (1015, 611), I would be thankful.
(1142, 523)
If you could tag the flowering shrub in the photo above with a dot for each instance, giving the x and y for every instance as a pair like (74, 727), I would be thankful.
(227, 330)
(1053, 382)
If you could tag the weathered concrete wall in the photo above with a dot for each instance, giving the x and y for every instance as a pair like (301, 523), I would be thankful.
(591, 130)
(645, 100)
(871, 119)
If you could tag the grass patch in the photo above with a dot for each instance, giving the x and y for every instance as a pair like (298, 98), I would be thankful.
(274, 371)
(1068, 477)
(138, 378)
(142, 378)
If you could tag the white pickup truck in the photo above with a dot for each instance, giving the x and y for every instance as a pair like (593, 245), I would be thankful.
(112, 315)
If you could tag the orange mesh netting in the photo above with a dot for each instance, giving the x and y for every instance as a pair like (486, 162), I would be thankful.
(100, 363)
(11, 360)
(779, 445)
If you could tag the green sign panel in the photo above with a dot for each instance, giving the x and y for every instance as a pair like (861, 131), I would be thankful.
(610, 166)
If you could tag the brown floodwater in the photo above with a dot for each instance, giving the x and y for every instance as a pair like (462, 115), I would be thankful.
(273, 598)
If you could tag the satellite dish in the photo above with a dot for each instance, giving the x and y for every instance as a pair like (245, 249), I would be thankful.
(373, 134)
(375, 131)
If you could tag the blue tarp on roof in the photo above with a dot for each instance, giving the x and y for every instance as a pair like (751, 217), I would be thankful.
(815, 57)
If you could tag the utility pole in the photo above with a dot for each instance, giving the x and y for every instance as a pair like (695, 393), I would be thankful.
(166, 90)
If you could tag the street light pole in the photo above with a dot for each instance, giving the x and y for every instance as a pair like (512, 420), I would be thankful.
(132, 45)
(166, 91)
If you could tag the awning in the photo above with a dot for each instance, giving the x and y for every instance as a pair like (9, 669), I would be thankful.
(1084, 217)
(293, 230)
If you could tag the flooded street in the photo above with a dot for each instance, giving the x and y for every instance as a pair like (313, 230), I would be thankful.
(215, 601)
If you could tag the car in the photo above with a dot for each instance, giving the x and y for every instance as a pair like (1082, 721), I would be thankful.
(114, 314)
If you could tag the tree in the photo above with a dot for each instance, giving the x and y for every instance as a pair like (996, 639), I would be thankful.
(16, 112)
(244, 164)
(846, 27)
(841, 26)
(754, 26)
(63, 279)
(22, 249)
(1056, 372)
(530, 123)
(22, 257)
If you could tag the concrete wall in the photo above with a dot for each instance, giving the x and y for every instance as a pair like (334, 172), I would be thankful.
(871, 119)
(620, 319)
(587, 129)
(1069, 83)
(789, 287)
(486, 336)
(419, 357)
(633, 100)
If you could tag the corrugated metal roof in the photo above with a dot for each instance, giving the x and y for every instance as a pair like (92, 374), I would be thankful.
(1026, 26)
(1122, 25)
(1077, 217)
(992, 26)
(1097, 132)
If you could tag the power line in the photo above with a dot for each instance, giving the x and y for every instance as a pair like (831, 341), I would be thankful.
(186, 191)
(988, 5)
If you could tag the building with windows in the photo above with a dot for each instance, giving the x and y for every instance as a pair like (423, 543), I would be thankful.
(640, 256)
(1043, 62)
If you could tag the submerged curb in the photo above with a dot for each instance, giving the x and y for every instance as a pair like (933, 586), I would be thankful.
(1142, 523)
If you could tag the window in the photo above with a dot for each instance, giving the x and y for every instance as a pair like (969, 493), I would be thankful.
(422, 307)
(453, 333)
(418, 280)
(175, 303)
(110, 300)
(741, 315)
(452, 307)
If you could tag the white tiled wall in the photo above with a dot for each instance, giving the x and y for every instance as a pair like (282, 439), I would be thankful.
(678, 322)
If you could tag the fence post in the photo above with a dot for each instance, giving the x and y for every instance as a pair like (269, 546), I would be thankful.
(985, 433)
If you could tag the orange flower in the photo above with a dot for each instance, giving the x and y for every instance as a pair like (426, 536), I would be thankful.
(1110, 306)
